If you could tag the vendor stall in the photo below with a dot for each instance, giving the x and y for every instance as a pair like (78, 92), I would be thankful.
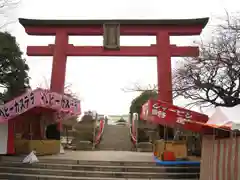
(168, 115)
(24, 120)
(220, 141)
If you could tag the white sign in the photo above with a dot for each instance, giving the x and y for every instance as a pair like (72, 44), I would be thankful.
(180, 120)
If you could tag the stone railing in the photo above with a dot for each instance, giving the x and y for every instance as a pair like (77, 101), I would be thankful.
(87, 133)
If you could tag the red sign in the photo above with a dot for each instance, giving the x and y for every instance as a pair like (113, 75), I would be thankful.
(167, 114)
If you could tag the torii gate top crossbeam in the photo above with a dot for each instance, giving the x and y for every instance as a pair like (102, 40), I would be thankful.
(161, 29)
(128, 27)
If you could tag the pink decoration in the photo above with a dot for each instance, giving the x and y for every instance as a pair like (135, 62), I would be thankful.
(133, 129)
(40, 98)
(100, 132)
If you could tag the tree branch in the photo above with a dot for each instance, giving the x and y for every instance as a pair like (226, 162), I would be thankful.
(5, 6)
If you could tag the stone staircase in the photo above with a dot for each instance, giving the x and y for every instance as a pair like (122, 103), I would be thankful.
(145, 147)
(56, 169)
(116, 137)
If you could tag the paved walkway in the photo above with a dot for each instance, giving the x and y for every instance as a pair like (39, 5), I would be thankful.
(104, 156)
(126, 156)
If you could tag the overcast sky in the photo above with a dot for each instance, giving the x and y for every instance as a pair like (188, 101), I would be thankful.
(98, 81)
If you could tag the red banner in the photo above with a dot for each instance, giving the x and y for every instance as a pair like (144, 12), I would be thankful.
(167, 114)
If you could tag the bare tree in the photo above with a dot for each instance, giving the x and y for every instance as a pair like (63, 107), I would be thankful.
(67, 88)
(141, 88)
(213, 78)
(6, 12)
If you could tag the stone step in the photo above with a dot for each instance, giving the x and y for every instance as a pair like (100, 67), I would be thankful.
(144, 150)
(108, 174)
(9, 159)
(116, 143)
(22, 176)
(115, 149)
(157, 169)
(18, 159)
(144, 147)
(63, 168)
(116, 138)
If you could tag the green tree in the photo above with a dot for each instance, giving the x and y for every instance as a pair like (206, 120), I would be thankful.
(14, 78)
(136, 105)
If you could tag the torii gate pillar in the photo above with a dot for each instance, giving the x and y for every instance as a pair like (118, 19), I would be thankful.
(163, 50)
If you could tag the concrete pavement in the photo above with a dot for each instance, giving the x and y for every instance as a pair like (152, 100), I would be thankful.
(104, 156)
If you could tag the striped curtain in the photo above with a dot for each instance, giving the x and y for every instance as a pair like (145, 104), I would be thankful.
(220, 159)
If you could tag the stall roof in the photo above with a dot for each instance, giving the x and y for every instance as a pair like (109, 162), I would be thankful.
(223, 118)
(225, 115)
(62, 104)
(163, 113)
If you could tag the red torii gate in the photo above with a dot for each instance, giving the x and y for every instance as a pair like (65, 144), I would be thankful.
(112, 29)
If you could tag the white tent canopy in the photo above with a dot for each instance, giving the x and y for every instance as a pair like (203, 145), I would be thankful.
(226, 116)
